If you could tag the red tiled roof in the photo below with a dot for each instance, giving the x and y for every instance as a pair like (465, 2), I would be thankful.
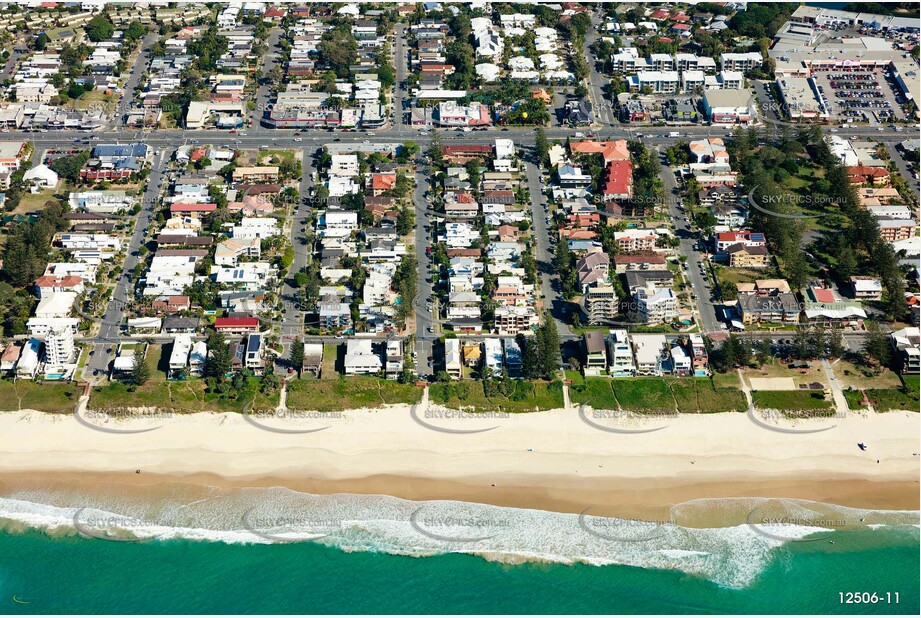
(734, 236)
(616, 150)
(50, 281)
(181, 207)
(464, 253)
(383, 182)
(618, 178)
(473, 149)
(638, 259)
(236, 323)
(866, 170)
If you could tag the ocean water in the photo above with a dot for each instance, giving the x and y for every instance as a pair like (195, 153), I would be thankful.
(204, 550)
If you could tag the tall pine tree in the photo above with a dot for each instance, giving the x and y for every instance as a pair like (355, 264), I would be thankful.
(548, 340)
(219, 362)
(297, 355)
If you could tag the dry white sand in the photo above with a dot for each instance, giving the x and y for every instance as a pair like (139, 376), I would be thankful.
(524, 447)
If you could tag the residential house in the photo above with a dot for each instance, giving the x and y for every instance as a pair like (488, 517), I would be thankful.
(620, 354)
(453, 365)
(360, 358)
(596, 358)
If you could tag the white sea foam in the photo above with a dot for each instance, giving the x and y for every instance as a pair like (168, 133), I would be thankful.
(731, 556)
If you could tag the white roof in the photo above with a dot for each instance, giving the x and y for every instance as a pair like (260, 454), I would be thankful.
(41, 172)
(182, 345)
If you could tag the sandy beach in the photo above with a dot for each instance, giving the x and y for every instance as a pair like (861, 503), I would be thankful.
(551, 461)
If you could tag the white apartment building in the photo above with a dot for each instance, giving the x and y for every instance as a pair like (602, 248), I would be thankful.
(620, 354)
(256, 227)
(59, 347)
(655, 305)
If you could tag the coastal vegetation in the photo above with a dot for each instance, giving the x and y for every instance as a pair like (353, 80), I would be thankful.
(180, 396)
(786, 401)
(53, 397)
(684, 395)
(498, 395)
(346, 393)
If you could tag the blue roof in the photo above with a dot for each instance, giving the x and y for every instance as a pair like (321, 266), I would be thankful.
(120, 150)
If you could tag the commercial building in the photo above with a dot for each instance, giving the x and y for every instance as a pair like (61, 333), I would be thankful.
(728, 106)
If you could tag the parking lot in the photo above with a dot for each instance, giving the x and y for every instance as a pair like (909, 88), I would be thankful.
(862, 95)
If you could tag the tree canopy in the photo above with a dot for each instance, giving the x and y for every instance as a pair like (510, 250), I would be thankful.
(99, 28)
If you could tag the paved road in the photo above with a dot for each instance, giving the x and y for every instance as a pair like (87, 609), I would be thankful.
(425, 319)
(597, 81)
(140, 65)
(293, 321)
(400, 62)
(109, 330)
(902, 165)
(12, 62)
(264, 91)
(549, 282)
(284, 138)
(700, 286)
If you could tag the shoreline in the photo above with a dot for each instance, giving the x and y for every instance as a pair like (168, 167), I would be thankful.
(548, 461)
(640, 499)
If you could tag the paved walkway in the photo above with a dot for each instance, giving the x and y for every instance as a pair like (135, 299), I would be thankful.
(745, 389)
(841, 407)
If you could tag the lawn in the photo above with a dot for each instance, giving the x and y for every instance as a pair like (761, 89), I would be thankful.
(777, 369)
(596, 392)
(31, 202)
(644, 394)
(853, 400)
(55, 397)
(807, 400)
(858, 377)
(349, 393)
(330, 359)
(726, 380)
(738, 275)
(903, 398)
(181, 396)
(688, 395)
(265, 157)
(96, 100)
(524, 396)
(712, 398)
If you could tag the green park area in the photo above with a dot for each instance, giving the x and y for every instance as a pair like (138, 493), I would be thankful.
(347, 393)
(498, 396)
(55, 397)
(686, 395)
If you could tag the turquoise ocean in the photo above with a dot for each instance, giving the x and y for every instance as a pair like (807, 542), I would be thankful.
(205, 550)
